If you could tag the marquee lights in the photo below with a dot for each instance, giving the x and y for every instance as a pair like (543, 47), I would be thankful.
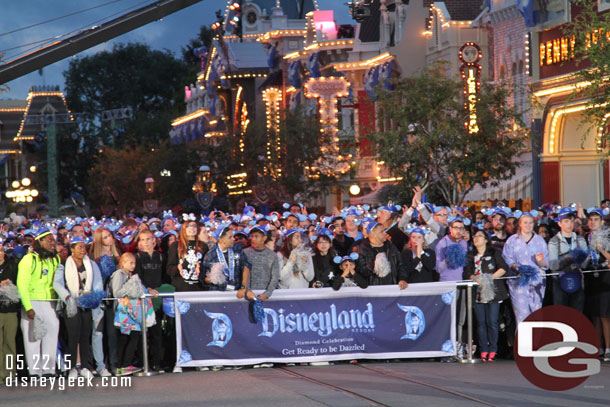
(12, 109)
(528, 54)
(378, 60)
(555, 120)
(562, 89)
(215, 134)
(240, 75)
(328, 44)
(30, 97)
(327, 90)
(470, 54)
(189, 117)
(281, 33)
(273, 98)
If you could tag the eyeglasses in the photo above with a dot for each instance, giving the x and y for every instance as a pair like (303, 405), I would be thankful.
(458, 227)
(442, 215)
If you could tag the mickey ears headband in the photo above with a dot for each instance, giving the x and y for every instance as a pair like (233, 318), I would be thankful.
(351, 257)
(189, 217)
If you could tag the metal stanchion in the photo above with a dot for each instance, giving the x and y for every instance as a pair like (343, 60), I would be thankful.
(145, 372)
(470, 359)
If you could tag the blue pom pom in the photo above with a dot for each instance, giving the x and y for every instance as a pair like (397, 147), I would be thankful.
(258, 310)
(91, 300)
(579, 255)
(527, 274)
(455, 255)
(168, 306)
(107, 266)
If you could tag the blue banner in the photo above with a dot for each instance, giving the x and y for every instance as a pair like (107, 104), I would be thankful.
(309, 325)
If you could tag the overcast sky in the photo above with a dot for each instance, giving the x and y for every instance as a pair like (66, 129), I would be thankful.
(170, 33)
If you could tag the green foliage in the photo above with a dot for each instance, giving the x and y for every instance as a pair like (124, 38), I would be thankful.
(123, 171)
(590, 30)
(149, 81)
(425, 137)
(302, 141)
(130, 75)
(205, 37)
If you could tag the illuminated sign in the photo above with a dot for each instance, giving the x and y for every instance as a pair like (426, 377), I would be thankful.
(470, 54)
(557, 50)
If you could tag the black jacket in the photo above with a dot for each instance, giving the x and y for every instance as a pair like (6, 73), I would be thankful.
(8, 269)
(343, 248)
(356, 278)
(366, 262)
(323, 266)
(419, 270)
(491, 262)
(150, 269)
(398, 237)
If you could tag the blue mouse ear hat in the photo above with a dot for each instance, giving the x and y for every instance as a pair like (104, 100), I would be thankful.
(219, 230)
(340, 260)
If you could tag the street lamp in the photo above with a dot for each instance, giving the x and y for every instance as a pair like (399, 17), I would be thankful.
(202, 179)
(354, 189)
(149, 184)
(150, 204)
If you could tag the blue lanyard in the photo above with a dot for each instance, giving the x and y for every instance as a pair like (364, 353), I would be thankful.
(230, 268)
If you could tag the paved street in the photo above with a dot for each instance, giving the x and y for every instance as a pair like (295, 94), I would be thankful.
(343, 385)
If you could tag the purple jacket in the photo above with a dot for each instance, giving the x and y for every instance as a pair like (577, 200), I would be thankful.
(442, 268)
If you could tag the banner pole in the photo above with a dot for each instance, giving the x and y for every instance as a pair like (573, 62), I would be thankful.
(145, 372)
(470, 359)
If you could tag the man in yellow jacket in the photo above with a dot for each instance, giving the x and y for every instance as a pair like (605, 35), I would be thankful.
(35, 284)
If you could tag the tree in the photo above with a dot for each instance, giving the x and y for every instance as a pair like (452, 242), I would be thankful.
(590, 31)
(428, 141)
(124, 170)
(149, 81)
(130, 75)
(302, 141)
(206, 34)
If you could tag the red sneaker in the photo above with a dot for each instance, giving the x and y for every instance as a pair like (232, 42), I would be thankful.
(492, 357)
(484, 356)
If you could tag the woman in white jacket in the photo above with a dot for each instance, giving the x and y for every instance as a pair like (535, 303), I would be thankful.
(78, 276)
(296, 265)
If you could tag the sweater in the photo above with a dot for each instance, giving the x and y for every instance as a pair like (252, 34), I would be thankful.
(295, 274)
(442, 267)
(264, 270)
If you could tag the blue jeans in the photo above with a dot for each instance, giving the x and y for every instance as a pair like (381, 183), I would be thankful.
(487, 325)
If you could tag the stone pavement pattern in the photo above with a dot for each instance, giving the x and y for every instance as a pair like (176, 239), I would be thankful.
(369, 384)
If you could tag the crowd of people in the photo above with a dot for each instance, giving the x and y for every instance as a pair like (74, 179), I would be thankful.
(54, 273)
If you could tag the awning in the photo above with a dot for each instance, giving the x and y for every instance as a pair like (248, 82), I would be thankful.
(518, 187)
(370, 198)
